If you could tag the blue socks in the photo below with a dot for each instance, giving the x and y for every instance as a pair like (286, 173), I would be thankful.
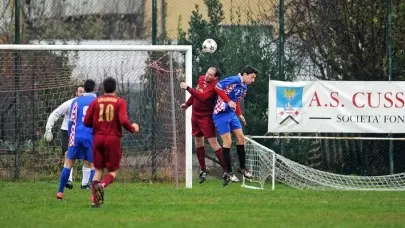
(92, 172)
(64, 176)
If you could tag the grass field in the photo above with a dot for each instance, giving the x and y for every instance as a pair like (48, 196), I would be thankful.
(206, 205)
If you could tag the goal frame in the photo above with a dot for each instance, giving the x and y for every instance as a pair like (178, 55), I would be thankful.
(188, 77)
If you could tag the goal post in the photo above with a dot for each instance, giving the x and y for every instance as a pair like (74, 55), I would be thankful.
(51, 72)
(261, 161)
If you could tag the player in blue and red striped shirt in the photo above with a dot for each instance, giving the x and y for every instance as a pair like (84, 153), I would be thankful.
(80, 136)
(226, 112)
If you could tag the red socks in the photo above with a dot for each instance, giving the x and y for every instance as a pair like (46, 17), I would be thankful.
(201, 157)
(93, 189)
(107, 180)
(220, 157)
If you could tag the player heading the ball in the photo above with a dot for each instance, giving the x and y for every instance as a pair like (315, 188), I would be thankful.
(202, 99)
(226, 112)
(106, 115)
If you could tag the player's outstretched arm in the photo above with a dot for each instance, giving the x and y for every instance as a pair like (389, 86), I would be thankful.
(88, 118)
(204, 96)
(53, 117)
(188, 103)
(221, 86)
(190, 100)
(123, 117)
(221, 93)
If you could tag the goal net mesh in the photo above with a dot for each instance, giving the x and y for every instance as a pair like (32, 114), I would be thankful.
(266, 164)
(34, 83)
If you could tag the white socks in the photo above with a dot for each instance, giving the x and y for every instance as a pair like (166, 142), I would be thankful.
(70, 175)
(86, 176)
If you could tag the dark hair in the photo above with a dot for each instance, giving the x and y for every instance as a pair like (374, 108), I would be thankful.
(89, 85)
(109, 85)
(249, 70)
(75, 91)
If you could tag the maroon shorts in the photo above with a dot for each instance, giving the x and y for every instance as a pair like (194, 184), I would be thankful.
(203, 126)
(107, 152)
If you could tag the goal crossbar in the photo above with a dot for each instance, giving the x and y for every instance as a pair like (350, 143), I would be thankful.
(91, 47)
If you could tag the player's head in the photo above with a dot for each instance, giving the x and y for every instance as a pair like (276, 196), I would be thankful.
(213, 73)
(109, 84)
(249, 74)
(89, 86)
(79, 91)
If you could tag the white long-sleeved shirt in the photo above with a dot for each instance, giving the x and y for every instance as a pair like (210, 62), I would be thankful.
(63, 109)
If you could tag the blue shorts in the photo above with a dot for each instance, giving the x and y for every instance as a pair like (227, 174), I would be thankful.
(82, 151)
(226, 122)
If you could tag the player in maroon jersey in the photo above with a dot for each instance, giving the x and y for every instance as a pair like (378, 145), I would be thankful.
(106, 115)
(202, 99)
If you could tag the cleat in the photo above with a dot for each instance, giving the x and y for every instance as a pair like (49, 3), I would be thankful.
(234, 178)
(99, 194)
(69, 185)
(246, 173)
(85, 187)
(203, 176)
(59, 195)
(226, 178)
(93, 203)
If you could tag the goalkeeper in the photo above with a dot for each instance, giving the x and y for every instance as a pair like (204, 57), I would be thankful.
(226, 112)
(63, 110)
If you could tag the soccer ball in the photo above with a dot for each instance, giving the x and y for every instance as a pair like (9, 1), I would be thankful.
(209, 46)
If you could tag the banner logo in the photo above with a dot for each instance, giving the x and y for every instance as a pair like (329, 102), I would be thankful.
(289, 104)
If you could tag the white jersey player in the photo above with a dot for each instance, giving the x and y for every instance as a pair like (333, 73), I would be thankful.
(63, 110)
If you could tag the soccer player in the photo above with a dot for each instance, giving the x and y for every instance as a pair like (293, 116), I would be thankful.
(63, 110)
(202, 99)
(80, 136)
(226, 112)
(106, 115)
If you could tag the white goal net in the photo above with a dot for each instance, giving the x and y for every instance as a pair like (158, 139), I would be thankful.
(268, 166)
(36, 79)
